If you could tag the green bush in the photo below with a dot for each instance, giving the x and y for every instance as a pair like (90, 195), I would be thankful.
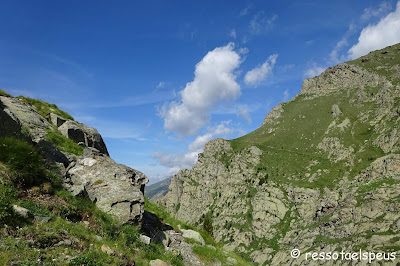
(45, 108)
(25, 163)
(63, 143)
(7, 195)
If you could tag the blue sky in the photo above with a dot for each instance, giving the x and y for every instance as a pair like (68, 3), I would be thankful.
(159, 79)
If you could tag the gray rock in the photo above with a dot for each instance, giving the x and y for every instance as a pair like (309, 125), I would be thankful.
(56, 120)
(81, 133)
(21, 211)
(145, 239)
(106, 249)
(159, 262)
(42, 219)
(193, 235)
(115, 188)
(97, 238)
(232, 260)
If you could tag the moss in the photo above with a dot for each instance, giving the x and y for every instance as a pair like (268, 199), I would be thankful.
(98, 182)
(45, 108)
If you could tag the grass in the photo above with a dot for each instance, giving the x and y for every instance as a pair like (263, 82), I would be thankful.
(64, 144)
(25, 166)
(3, 93)
(37, 242)
(45, 108)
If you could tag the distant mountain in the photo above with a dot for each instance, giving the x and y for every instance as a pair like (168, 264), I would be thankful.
(322, 173)
(157, 190)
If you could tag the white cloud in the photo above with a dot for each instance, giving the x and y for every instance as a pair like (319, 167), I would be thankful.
(233, 34)
(245, 11)
(260, 23)
(335, 56)
(185, 161)
(161, 84)
(286, 96)
(369, 13)
(373, 37)
(243, 111)
(314, 70)
(214, 82)
(258, 74)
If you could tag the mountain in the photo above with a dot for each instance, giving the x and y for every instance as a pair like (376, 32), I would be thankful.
(64, 201)
(321, 174)
(157, 190)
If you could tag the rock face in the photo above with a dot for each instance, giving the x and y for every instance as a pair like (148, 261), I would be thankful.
(116, 188)
(80, 133)
(321, 174)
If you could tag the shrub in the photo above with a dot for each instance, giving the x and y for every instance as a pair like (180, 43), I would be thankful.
(7, 195)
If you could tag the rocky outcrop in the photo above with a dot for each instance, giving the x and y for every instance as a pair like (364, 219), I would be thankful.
(116, 188)
(84, 135)
(322, 173)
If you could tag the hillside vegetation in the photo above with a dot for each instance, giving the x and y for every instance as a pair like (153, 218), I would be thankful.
(321, 173)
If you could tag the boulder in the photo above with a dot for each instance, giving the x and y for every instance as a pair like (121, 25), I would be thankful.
(21, 211)
(56, 120)
(115, 188)
(9, 124)
(21, 120)
(193, 235)
(145, 239)
(81, 133)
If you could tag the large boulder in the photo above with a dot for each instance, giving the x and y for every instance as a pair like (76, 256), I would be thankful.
(115, 188)
(21, 120)
(83, 134)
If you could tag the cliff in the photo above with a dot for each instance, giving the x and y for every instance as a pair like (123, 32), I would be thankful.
(321, 174)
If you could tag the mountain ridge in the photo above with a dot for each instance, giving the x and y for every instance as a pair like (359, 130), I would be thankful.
(304, 179)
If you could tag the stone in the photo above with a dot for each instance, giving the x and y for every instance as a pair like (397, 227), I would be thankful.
(335, 110)
(42, 219)
(231, 260)
(81, 133)
(107, 249)
(21, 211)
(115, 188)
(97, 238)
(159, 262)
(193, 235)
(145, 239)
(56, 120)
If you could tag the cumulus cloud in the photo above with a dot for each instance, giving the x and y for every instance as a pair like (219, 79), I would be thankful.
(214, 82)
(373, 37)
(186, 160)
(258, 74)
(314, 70)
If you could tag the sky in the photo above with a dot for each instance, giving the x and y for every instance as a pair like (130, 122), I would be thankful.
(159, 79)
